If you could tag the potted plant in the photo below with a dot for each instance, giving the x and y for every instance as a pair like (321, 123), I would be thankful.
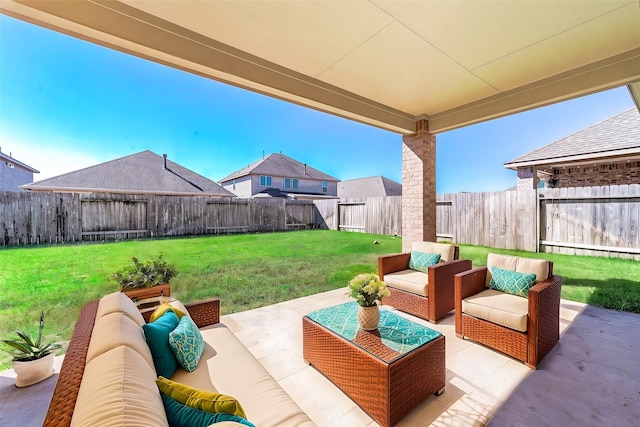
(367, 289)
(146, 279)
(33, 359)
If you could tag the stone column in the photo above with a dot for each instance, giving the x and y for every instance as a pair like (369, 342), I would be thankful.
(418, 186)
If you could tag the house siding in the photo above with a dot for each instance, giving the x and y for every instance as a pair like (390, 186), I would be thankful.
(304, 185)
(11, 178)
(627, 172)
(242, 187)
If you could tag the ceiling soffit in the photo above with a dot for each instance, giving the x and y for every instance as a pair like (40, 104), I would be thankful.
(387, 64)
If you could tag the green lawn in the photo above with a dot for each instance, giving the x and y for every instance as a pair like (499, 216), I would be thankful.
(247, 271)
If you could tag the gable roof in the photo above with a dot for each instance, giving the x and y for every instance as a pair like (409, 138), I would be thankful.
(613, 137)
(11, 160)
(280, 165)
(140, 173)
(374, 186)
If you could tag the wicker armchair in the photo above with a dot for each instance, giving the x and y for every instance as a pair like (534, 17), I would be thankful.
(427, 295)
(530, 327)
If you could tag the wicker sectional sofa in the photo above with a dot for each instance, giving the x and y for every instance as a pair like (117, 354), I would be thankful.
(108, 376)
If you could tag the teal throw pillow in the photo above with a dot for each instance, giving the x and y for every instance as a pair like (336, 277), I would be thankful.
(421, 261)
(157, 336)
(511, 282)
(180, 415)
(186, 343)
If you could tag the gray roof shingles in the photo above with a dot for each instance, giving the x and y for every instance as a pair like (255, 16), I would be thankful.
(280, 165)
(374, 186)
(142, 172)
(616, 133)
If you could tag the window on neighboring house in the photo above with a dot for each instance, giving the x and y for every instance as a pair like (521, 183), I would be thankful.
(291, 183)
(325, 187)
(265, 180)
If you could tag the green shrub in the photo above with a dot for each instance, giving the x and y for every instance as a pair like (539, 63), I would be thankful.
(144, 274)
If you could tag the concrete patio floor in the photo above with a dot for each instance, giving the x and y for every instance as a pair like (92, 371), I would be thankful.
(590, 378)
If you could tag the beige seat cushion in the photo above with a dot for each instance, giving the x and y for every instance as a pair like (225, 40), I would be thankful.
(539, 267)
(445, 250)
(119, 389)
(498, 307)
(408, 280)
(118, 302)
(227, 367)
(113, 330)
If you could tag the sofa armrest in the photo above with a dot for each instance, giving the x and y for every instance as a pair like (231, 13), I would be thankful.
(205, 312)
(63, 401)
(467, 283)
(391, 263)
(441, 287)
(544, 318)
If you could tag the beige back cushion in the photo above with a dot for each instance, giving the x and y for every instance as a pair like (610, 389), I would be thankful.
(539, 267)
(118, 302)
(119, 389)
(113, 330)
(445, 250)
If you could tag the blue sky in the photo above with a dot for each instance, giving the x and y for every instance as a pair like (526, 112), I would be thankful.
(66, 104)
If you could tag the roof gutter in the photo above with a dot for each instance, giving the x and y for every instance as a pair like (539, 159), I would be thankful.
(580, 157)
(116, 191)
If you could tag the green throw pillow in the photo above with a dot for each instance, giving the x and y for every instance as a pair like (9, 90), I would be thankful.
(421, 261)
(180, 415)
(186, 343)
(207, 401)
(511, 282)
(157, 336)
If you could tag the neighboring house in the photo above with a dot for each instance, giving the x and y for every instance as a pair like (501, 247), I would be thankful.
(140, 173)
(278, 175)
(374, 186)
(14, 173)
(607, 153)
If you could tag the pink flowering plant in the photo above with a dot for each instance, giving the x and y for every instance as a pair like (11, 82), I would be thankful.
(367, 288)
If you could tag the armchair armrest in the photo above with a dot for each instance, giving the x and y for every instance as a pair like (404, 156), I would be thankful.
(441, 287)
(544, 318)
(466, 284)
(470, 282)
(391, 263)
(205, 312)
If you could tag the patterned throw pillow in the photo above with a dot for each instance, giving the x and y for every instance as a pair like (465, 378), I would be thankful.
(180, 415)
(187, 343)
(207, 401)
(511, 282)
(157, 336)
(421, 261)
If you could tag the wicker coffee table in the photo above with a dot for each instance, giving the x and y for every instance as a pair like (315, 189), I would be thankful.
(387, 371)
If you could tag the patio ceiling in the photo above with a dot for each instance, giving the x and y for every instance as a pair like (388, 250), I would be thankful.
(384, 63)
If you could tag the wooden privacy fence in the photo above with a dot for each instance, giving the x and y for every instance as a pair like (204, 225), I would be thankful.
(505, 219)
(599, 221)
(591, 221)
(33, 218)
(375, 215)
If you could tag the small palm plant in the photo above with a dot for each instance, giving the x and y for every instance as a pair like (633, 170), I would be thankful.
(26, 348)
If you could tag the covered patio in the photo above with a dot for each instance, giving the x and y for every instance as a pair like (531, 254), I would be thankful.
(586, 380)
(417, 69)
